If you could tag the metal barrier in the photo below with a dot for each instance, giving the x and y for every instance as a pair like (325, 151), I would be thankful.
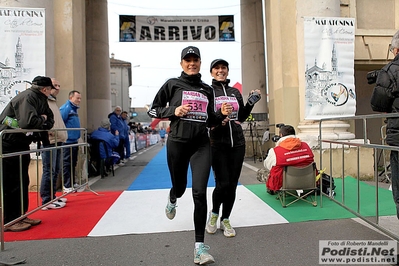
(83, 180)
(343, 144)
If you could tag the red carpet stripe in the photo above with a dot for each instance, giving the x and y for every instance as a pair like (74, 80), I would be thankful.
(76, 219)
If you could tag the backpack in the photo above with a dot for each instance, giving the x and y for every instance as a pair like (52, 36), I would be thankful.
(325, 179)
(382, 97)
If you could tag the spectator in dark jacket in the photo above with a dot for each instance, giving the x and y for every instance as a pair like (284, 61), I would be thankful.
(388, 83)
(29, 110)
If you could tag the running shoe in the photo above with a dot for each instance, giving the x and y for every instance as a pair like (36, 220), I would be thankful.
(201, 255)
(211, 226)
(228, 231)
(170, 210)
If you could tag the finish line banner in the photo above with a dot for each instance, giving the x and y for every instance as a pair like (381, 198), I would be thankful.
(329, 44)
(176, 28)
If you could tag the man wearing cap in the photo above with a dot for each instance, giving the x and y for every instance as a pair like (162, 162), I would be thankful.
(111, 140)
(51, 160)
(188, 103)
(30, 110)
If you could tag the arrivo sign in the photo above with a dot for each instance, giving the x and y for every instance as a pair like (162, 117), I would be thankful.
(167, 29)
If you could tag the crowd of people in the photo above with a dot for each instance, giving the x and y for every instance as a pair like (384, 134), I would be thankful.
(205, 133)
(36, 108)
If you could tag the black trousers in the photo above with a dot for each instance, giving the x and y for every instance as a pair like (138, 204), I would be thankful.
(197, 154)
(226, 165)
(121, 150)
(13, 182)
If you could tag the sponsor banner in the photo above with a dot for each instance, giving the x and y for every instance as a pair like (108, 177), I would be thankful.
(329, 67)
(22, 50)
(351, 252)
(176, 28)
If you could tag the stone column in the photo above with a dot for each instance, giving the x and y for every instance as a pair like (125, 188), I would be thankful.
(253, 54)
(69, 51)
(97, 63)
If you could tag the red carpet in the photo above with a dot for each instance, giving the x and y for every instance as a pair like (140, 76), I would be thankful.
(76, 219)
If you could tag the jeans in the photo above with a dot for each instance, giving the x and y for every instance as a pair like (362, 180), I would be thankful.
(51, 161)
(68, 175)
(395, 179)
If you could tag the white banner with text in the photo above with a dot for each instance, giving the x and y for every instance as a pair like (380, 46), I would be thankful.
(329, 67)
(22, 50)
(176, 28)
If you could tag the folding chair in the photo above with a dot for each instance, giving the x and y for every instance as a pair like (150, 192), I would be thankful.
(299, 178)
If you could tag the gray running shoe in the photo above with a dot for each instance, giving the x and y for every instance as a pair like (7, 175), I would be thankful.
(201, 255)
(170, 210)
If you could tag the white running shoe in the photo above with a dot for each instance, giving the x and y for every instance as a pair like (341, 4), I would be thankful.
(67, 189)
(201, 255)
(228, 231)
(211, 226)
(54, 205)
(170, 210)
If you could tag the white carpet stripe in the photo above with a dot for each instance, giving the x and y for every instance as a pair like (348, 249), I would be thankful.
(140, 212)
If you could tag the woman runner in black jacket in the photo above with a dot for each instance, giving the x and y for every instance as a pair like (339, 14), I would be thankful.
(228, 148)
(189, 105)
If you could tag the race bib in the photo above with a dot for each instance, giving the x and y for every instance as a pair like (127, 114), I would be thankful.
(198, 106)
(231, 100)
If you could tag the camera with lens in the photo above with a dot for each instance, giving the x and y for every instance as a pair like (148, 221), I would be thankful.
(372, 76)
(275, 138)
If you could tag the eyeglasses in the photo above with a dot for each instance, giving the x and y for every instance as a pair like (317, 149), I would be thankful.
(55, 87)
(391, 49)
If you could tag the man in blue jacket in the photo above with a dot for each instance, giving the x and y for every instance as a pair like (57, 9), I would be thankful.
(69, 113)
(103, 133)
(117, 123)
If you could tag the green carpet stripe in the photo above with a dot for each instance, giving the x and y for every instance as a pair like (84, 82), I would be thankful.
(367, 197)
(302, 211)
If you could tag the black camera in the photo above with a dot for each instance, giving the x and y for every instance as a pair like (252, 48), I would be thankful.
(372, 76)
(275, 138)
(253, 98)
(280, 125)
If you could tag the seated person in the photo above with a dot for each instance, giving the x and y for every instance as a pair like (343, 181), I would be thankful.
(289, 151)
(104, 133)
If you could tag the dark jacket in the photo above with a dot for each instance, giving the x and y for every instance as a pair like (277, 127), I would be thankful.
(231, 133)
(27, 108)
(387, 80)
(184, 129)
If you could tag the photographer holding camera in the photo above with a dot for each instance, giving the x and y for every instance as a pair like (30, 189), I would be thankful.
(385, 98)
(289, 151)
